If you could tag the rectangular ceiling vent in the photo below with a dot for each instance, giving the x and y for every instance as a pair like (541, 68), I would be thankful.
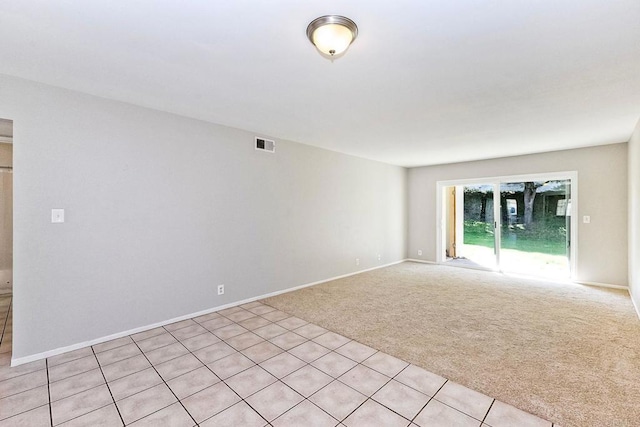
(267, 145)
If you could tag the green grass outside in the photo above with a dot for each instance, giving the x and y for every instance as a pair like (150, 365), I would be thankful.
(546, 239)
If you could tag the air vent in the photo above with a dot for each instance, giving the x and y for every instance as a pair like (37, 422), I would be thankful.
(267, 145)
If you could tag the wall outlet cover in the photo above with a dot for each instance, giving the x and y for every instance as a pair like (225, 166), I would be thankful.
(57, 216)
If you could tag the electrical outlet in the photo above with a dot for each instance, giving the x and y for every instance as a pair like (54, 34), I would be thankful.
(357, 261)
(220, 289)
(420, 252)
(379, 257)
(57, 216)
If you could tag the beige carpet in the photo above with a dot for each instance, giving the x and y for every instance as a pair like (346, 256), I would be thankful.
(567, 353)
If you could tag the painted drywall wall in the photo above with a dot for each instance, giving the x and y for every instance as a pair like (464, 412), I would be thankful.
(161, 209)
(602, 186)
(634, 217)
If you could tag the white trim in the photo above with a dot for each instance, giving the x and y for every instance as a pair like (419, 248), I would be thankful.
(495, 181)
(420, 260)
(509, 178)
(468, 267)
(6, 139)
(295, 288)
(633, 301)
(441, 214)
(537, 278)
(497, 222)
(459, 217)
(601, 285)
(60, 350)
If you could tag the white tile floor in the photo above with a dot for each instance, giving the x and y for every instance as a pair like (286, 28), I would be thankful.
(245, 366)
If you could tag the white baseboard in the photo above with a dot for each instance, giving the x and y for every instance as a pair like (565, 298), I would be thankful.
(579, 282)
(32, 358)
(420, 260)
(601, 285)
(633, 301)
(306, 285)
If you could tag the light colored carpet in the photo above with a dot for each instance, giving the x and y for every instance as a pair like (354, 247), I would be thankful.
(567, 353)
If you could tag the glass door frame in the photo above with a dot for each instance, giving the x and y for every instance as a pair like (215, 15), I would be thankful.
(495, 181)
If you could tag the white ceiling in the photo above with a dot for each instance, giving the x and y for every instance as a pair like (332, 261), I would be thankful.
(426, 82)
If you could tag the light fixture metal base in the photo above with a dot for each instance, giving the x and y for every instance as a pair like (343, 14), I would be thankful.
(331, 20)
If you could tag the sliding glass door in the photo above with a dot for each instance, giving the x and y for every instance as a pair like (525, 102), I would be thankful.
(512, 225)
(477, 247)
(536, 227)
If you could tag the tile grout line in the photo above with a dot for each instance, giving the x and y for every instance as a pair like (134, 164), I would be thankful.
(488, 410)
(46, 365)
(412, 420)
(93, 410)
(77, 393)
(28, 389)
(205, 365)
(393, 410)
(347, 385)
(283, 351)
(100, 385)
(257, 364)
(127, 358)
(278, 379)
(430, 398)
(108, 388)
(332, 377)
(460, 410)
(221, 380)
(326, 385)
(371, 396)
(357, 363)
(165, 383)
(323, 387)
(306, 399)
(254, 364)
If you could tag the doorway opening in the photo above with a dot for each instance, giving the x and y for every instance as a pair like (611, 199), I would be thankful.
(6, 238)
(516, 224)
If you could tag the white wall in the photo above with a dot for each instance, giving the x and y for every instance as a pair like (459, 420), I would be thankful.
(634, 217)
(602, 186)
(160, 209)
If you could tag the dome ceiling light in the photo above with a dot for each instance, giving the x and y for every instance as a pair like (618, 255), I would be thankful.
(332, 34)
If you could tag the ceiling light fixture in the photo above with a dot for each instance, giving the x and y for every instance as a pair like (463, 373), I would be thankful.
(332, 34)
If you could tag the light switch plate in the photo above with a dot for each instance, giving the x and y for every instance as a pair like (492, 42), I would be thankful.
(57, 216)
(586, 219)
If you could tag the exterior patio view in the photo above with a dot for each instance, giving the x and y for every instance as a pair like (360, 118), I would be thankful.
(534, 227)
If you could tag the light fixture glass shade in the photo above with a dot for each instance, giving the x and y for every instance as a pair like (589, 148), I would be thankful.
(332, 39)
(332, 34)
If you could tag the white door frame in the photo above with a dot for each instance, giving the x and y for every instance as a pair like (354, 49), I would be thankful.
(495, 181)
